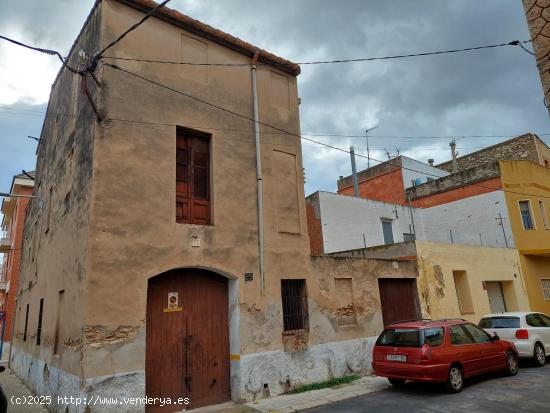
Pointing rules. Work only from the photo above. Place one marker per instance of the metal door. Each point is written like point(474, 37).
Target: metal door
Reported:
point(496, 297)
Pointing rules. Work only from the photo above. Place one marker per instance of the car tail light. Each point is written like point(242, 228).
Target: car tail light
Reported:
point(426, 352)
point(522, 334)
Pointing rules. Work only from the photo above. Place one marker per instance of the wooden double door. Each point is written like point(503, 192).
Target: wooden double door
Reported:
point(187, 353)
point(399, 299)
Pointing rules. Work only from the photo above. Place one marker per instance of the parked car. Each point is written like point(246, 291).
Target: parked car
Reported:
point(446, 351)
point(529, 331)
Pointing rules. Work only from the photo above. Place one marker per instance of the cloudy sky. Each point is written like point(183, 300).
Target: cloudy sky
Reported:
point(489, 92)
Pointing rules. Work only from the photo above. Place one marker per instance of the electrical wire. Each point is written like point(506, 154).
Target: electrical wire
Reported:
point(318, 62)
point(39, 113)
point(98, 55)
point(153, 82)
point(41, 50)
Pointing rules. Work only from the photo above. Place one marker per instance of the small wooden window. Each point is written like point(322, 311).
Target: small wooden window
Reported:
point(192, 177)
point(295, 311)
point(39, 327)
point(26, 324)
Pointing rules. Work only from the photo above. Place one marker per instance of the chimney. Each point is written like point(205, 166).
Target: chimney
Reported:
point(431, 162)
point(354, 171)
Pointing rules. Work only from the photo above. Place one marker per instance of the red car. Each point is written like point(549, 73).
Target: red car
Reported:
point(446, 351)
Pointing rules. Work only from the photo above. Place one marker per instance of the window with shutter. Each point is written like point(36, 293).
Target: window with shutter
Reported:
point(192, 177)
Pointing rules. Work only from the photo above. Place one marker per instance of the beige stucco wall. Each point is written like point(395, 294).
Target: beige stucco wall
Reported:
point(121, 230)
point(55, 259)
point(134, 235)
point(438, 297)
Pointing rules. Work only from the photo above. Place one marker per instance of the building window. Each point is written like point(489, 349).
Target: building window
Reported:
point(545, 283)
point(26, 324)
point(408, 237)
point(463, 294)
point(294, 298)
point(192, 177)
point(39, 327)
point(543, 214)
point(387, 230)
point(526, 216)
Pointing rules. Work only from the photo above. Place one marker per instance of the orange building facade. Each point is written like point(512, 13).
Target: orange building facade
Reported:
point(11, 245)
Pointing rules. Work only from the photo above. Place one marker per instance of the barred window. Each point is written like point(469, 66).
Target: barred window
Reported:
point(545, 288)
point(294, 298)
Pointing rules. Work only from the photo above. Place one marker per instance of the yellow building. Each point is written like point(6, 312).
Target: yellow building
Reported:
point(459, 280)
point(527, 191)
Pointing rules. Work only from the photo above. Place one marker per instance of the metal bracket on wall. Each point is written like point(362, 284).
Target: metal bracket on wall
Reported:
point(84, 87)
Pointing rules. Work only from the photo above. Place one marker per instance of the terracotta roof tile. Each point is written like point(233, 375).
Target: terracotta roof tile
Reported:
point(218, 36)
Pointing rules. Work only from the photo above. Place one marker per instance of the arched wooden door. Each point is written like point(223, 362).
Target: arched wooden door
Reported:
point(187, 353)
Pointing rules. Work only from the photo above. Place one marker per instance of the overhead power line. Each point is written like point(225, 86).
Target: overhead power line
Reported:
point(41, 50)
point(32, 112)
point(213, 105)
point(99, 54)
point(319, 62)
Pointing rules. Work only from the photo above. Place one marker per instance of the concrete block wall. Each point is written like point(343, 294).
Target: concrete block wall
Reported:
point(522, 148)
point(467, 177)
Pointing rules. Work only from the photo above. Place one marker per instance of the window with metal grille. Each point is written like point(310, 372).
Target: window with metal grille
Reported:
point(192, 177)
point(545, 282)
point(294, 298)
point(39, 327)
point(526, 216)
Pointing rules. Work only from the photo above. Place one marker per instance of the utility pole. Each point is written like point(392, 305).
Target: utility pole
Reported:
point(500, 219)
point(354, 171)
point(368, 149)
point(454, 153)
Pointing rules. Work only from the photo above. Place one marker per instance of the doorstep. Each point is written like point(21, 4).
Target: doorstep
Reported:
point(289, 403)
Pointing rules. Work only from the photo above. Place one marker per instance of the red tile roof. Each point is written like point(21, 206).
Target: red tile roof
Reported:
point(185, 22)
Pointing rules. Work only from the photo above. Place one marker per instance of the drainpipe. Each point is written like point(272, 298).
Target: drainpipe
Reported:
point(259, 178)
point(411, 212)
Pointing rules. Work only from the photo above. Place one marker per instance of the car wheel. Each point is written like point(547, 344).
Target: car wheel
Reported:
point(539, 356)
point(396, 382)
point(512, 365)
point(455, 381)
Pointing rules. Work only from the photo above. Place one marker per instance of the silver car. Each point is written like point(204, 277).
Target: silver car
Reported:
point(529, 331)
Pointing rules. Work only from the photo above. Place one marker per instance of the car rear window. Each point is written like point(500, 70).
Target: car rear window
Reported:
point(499, 322)
point(399, 337)
point(434, 336)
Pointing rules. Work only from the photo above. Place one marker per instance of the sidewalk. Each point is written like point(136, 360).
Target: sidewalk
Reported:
point(288, 403)
point(13, 387)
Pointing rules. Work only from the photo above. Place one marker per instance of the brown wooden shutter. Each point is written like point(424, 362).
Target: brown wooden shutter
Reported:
point(192, 179)
point(182, 180)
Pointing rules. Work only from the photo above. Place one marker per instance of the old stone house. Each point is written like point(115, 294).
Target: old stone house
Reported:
point(163, 256)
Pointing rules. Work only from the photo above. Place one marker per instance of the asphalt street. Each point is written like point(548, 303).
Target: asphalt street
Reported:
point(529, 391)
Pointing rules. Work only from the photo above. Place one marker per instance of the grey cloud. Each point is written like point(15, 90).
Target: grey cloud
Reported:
point(486, 92)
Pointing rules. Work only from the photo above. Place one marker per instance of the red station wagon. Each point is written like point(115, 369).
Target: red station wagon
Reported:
point(446, 351)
